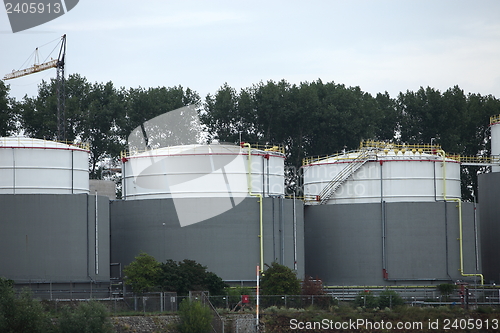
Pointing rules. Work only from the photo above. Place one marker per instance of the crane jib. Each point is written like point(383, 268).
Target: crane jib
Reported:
point(31, 70)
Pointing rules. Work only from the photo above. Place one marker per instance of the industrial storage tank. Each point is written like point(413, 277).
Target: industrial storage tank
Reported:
point(195, 171)
point(388, 214)
point(495, 140)
point(34, 166)
point(381, 171)
point(220, 199)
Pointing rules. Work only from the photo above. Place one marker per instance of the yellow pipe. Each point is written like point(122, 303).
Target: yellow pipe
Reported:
point(249, 181)
point(460, 222)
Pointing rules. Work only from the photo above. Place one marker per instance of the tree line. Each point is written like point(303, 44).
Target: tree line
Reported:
point(310, 118)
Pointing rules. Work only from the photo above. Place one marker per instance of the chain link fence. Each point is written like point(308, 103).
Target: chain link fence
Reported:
point(119, 302)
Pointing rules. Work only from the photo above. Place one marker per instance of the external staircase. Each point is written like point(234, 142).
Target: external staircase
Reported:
point(366, 154)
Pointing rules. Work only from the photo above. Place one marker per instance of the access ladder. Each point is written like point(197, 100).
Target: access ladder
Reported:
point(327, 192)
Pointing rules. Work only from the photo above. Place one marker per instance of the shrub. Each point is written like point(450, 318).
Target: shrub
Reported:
point(235, 294)
point(446, 288)
point(194, 317)
point(279, 280)
point(390, 299)
point(21, 314)
point(89, 317)
point(314, 287)
point(143, 273)
point(366, 299)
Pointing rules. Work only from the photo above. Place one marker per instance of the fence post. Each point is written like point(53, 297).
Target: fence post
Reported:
point(161, 302)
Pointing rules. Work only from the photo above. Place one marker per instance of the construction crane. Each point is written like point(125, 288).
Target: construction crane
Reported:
point(60, 81)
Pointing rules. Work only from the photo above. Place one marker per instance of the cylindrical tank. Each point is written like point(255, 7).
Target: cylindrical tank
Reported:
point(193, 171)
point(495, 140)
point(34, 166)
point(382, 174)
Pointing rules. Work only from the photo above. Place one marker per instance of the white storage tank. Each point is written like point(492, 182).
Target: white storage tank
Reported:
point(382, 172)
point(194, 171)
point(34, 166)
point(495, 140)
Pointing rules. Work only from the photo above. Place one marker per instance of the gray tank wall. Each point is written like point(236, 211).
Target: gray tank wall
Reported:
point(489, 216)
point(228, 244)
point(52, 238)
point(344, 243)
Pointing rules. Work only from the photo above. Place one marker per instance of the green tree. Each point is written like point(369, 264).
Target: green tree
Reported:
point(234, 294)
point(188, 275)
point(88, 317)
point(21, 314)
point(8, 111)
point(446, 289)
point(143, 104)
point(366, 299)
point(222, 117)
point(96, 109)
point(389, 299)
point(142, 275)
point(386, 118)
point(279, 280)
point(194, 317)
point(39, 114)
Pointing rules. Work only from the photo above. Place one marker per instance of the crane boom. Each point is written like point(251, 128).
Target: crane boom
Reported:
point(33, 69)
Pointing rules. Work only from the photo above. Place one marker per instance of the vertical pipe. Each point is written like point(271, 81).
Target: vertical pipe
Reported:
point(274, 230)
point(72, 171)
point(435, 190)
point(96, 237)
point(282, 230)
point(268, 186)
point(257, 294)
point(263, 178)
point(294, 235)
point(475, 234)
point(13, 171)
point(88, 238)
point(382, 217)
point(124, 179)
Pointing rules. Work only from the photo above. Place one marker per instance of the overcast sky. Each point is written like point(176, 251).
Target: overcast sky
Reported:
point(390, 45)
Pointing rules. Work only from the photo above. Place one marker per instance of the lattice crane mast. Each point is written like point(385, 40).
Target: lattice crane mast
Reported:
point(58, 64)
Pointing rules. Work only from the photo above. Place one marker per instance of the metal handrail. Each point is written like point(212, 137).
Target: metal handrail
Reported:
point(376, 145)
point(475, 159)
point(390, 145)
point(263, 147)
point(495, 119)
point(35, 143)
